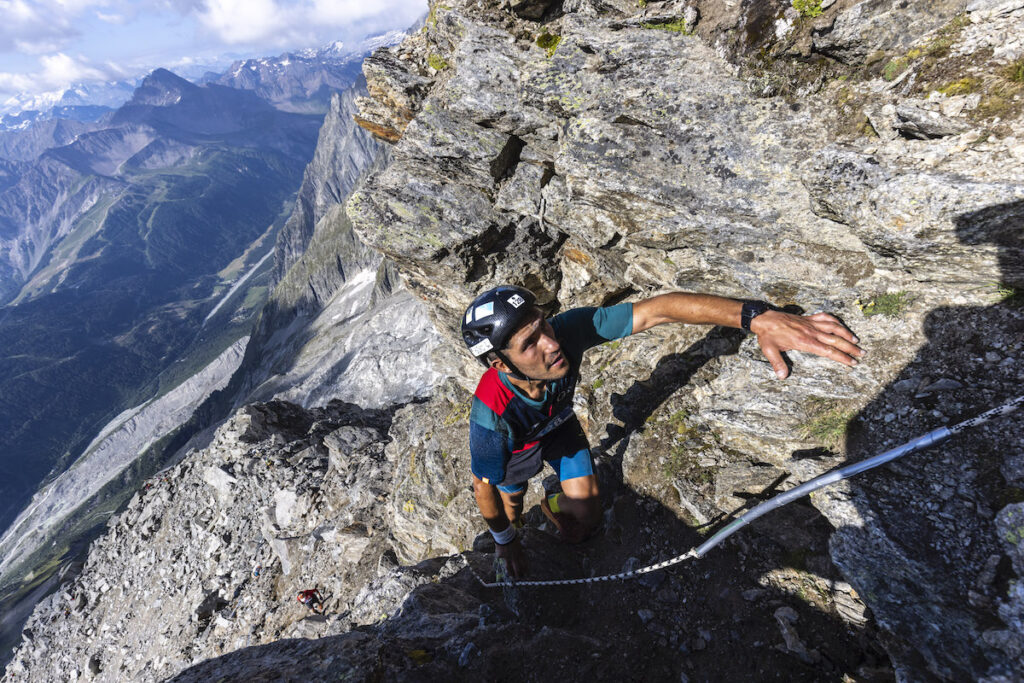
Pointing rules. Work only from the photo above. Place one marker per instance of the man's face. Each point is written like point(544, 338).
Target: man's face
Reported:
point(535, 351)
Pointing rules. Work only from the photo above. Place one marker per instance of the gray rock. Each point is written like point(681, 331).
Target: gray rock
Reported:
point(944, 384)
point(530, 9)
point(219, 479)
point(921, 124)
point(871, 26)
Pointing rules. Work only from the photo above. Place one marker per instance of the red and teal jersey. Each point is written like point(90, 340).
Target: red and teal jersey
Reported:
point(507, 429)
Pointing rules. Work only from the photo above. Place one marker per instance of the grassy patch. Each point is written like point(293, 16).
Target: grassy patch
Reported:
point(1015, 72)
point(808, 8)
point(437, 62)
point(891, 304)
point(458, 414)
point(1002, 99)
point(827, 424)
point(681, 464)
point(548, 42)
point(678, 420)
point(1002, 292)
point(677, 26)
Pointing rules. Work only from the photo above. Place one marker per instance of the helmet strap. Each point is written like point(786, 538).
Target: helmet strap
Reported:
point(514, 371)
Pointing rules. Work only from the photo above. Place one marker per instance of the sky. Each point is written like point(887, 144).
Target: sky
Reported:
point(46, 45)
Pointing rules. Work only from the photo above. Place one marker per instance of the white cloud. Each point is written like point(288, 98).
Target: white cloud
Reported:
point(297, 22)
point(341, 14)
point(57, 72)
point(32, 27)
point(60, 70)
point(242, 21)
point(112, 18)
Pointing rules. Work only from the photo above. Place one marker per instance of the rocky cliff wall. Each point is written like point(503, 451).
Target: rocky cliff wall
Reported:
point(343, 152)
point(596, 152)
point(337, 325)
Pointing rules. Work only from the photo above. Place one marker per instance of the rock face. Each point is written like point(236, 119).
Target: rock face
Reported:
point(597, 157)
point(338, 324)
point(595, 153)
point(343, 151)
point(289, 492)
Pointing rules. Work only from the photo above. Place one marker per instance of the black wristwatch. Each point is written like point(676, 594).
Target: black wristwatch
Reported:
point(751, 309)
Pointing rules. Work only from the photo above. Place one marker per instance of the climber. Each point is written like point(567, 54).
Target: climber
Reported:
point(311, 599)
point(522, 414)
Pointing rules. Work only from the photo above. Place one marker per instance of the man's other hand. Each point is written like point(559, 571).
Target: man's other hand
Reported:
point(514, 556)
point(821, 334)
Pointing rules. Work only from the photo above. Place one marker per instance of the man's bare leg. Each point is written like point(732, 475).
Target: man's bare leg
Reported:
point(513, 504)
point(578, 508)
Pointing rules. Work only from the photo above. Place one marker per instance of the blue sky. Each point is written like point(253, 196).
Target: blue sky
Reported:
point(45, 45)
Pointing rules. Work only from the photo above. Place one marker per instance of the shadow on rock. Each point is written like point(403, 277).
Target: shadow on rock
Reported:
point(919, 538)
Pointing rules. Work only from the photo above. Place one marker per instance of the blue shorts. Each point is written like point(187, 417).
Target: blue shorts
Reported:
point(569, 456)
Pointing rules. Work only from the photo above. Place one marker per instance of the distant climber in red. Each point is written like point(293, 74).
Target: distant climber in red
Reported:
point(311, 599)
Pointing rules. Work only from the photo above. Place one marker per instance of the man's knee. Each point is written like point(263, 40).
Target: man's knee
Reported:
point(582, 489)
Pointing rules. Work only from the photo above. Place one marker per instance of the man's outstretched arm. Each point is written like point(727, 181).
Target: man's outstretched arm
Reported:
point(821, 333)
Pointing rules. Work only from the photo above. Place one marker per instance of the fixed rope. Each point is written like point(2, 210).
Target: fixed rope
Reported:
point(830, 477)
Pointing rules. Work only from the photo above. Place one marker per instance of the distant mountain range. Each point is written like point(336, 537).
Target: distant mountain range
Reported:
point(299, 81)
point(123, 234)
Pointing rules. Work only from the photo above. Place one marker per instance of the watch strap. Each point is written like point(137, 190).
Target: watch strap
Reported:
point(751, 309)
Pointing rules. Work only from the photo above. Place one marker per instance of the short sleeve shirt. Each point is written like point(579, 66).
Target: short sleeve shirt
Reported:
point(505, 425)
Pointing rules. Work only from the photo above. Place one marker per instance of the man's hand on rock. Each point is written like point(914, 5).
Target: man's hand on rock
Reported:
point(821, 334)
point(514, 556)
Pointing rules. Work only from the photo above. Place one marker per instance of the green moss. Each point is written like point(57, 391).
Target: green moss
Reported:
point(548, 42)
point(891, 304)
point(598, 383)
point(681, 464)
point(437, 62)
point(895, 67)
point(808, 8)
point(939, 47)
point(678, 420)
point(956, 25)
point(677, 26)
point(962, 86)
point(432, 16)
